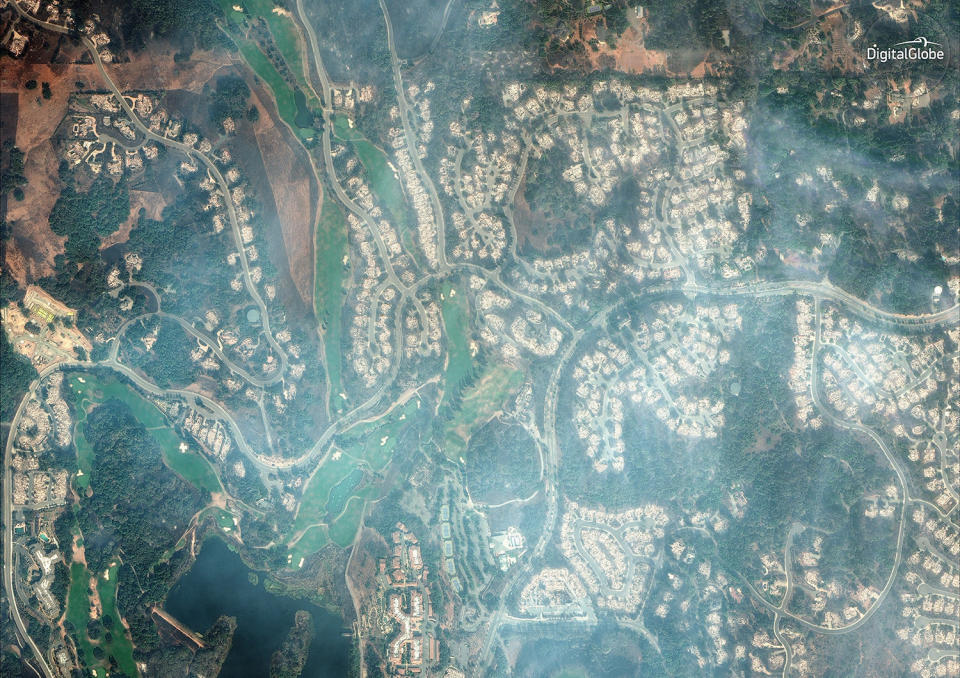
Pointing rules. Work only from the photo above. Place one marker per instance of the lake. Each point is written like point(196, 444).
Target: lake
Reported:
point(219, 584)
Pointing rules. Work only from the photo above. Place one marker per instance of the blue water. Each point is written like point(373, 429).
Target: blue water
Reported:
point(218, 584)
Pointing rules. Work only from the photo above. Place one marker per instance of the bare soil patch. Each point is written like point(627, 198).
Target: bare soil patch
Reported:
point(294, 193)
point(246, 153)
point(31, 253)
point(34, 246)
point(630, 55)
point(151, 202)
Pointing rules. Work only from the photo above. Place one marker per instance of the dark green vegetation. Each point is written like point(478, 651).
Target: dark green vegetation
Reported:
point(16, 373)
point(167, 363)
point(813, 478)
point(606, 650)
point(229, 99)
point(94, 390)
point(177, 252)
point(80, 274)
point(551, 208)
point(12, 178)
point(85, 217)
point(136, 512)
point(867, 234)
point(219, 584)
point(269, 43)
point(188, 23)
point(557, 27)
point(691, 24)
point(353, 41)
point(502, 463)
point(289, 660)
point(477, 405)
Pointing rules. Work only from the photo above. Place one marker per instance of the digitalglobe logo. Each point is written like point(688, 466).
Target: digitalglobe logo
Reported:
point(918, 49)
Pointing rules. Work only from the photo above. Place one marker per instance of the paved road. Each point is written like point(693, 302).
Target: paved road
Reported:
point(8, 525)
point(821, 291)
point(190, 152)
point(905, 499)
point(411, 139)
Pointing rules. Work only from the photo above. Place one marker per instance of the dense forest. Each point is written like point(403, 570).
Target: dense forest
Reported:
point(191, 23)
point(502, 463)
point(12, 178)
point(16, 373)
point(229, 99)
point(85, 217)
point(168, 362)
point(136, 512)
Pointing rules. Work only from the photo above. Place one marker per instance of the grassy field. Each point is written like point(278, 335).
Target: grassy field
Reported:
point(344, 528)
point(480, 402)
point(78, 609)
point(120, 646)
point(285, 34)
point(90, 390)
point(314, 502)
point(330, 246)
point(314, 539)
point(341, 492)
point(78, 614)
point(383, 181)
point(334, 485)
point(459, 362)
point(265, 70)
point(374, 442)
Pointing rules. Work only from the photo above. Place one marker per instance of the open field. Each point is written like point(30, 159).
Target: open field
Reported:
point(120, 646)
point(314, 501)
point(341, 492)
point(286, 37)
point(295, 194)
point(383, 181)
point(455, 324)
point(330, 245)
point(282, 93)
point(314, 539)
point(344, 528)
point(374, 442)
point(91, 391)
point(480, 402)
point(285, 31)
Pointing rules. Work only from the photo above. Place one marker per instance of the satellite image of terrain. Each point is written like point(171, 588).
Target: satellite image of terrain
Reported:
point(480, 338)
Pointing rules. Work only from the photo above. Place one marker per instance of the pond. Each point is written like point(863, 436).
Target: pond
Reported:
point(220, 584)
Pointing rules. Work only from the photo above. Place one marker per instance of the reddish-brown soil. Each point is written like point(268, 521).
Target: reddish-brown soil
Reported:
point(631, 56)
point(291, 182)
point(34, 246)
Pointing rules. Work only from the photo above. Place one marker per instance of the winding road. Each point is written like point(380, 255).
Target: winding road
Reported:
point(314, 457)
